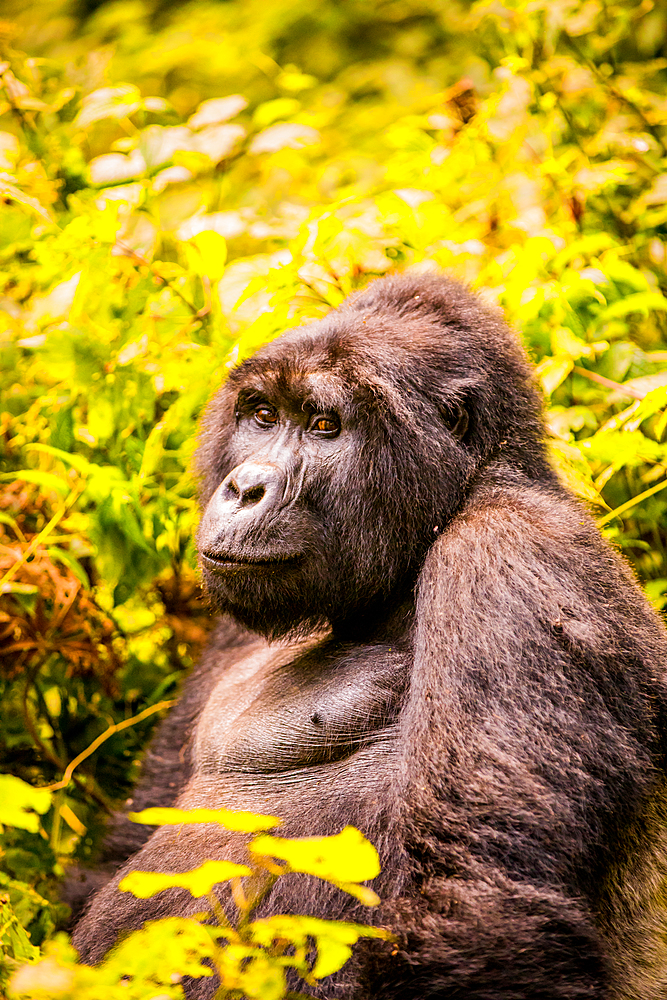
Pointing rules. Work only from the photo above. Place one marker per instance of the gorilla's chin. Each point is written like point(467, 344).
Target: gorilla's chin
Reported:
point(271, 598)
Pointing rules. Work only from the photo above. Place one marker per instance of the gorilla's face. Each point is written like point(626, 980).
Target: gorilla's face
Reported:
point(268, 541)
point(329, 492)
point(257, 520)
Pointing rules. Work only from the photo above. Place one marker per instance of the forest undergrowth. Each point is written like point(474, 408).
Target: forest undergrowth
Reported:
point(180, 184)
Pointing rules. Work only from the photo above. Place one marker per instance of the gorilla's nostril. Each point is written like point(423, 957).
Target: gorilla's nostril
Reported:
point(253, 495)
point(250, 483)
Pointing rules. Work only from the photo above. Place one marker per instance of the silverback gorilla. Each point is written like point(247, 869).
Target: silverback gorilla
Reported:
point(423, 635)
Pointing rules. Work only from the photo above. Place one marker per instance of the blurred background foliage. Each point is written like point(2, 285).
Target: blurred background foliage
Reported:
point(179, 183)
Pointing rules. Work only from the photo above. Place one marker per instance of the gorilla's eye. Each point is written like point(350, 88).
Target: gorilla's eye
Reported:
point(265, 415)
point(325, 426)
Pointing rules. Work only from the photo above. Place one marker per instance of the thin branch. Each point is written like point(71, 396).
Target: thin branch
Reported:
point(85, 782)
point(43, 534)
point(609, 383)
point(631, 503)
point(115, 728)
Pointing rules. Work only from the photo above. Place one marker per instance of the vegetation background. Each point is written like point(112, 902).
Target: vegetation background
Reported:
point(179, 183)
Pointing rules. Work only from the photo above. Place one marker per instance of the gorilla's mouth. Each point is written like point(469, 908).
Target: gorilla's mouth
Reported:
point(222, 561)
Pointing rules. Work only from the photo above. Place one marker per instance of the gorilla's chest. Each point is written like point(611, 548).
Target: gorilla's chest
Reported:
point(286, 709)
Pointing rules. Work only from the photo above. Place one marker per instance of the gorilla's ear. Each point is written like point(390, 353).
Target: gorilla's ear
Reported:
point(455, 416)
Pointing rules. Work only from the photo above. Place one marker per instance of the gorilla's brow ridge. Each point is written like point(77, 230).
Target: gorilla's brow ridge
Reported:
point(316, 390)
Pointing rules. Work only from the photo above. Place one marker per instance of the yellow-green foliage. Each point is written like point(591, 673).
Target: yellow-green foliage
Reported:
point(178, 185)
point(251, 957)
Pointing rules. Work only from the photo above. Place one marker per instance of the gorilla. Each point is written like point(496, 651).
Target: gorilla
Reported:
point(422, 634)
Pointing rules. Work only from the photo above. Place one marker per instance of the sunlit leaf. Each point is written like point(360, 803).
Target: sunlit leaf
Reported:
point(162, 952)
point(217, 109)
point(46, 480)
point(271, 111)
point(109, 102)
point(245, 822)
point(333, 938)
point(295, 82)
point(345, 857)
point(218, 141)
point(642, 302)
point(9, 150)
point(553, 371)
point(198, 881)
point(646, 384)
point(286, 135)
point(654, 401)
point(262, 978)
point(115, 168)
point(622, 448)
point(206, 253)
point(20, 803)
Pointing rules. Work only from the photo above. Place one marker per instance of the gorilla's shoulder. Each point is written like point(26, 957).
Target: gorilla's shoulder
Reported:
point(529, 554)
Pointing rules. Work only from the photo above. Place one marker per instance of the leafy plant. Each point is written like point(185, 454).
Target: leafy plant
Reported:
point(264, 162)
point(250, 956)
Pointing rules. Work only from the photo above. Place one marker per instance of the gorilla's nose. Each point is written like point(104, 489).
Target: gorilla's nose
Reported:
point(249, 483)
point(245, 501)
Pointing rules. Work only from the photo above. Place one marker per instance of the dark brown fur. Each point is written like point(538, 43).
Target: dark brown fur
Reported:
point(465, 671)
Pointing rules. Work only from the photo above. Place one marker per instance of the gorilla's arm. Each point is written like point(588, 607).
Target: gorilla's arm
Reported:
point(166, 767)
point(529, 725)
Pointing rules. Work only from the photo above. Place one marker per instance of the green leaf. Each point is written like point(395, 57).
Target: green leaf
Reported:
point(153, 450)
point(333, 938)
point(28, 905)
point(19, 802)
point(238, 821)
point(13, 193)
point(23, 589)
point(641, 302)
point(67, 559)
point(14, 940)
point(206, 254)
point(101, 418)
point(343, 858)
point(77, 462)
point(198, 881)
point(46, 480)
point(9, 520)
point(26, 594)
